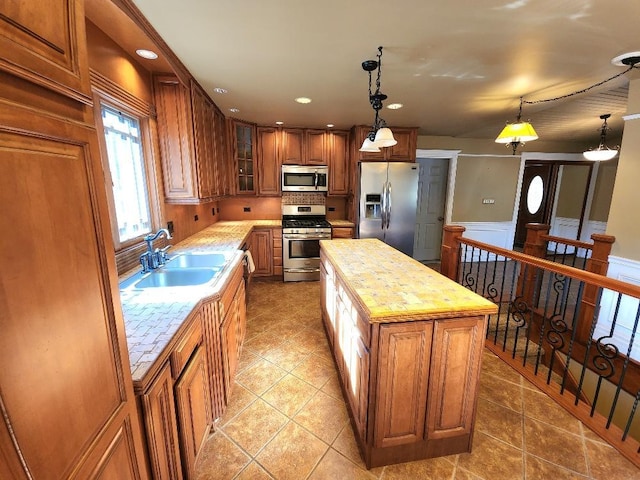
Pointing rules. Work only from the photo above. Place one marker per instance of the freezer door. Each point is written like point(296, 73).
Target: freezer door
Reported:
point(403, 195)
point(371, 200)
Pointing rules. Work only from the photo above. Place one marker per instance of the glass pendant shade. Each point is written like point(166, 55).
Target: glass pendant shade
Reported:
point(600, 154)
point(384, 138)
point(369, 146)
point(517, 132)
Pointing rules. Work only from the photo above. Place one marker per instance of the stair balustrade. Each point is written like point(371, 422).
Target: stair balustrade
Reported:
point(569, 331)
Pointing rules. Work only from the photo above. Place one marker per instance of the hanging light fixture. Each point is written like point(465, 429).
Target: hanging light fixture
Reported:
point(602, 152)
point(380, 135)
point(515, 134)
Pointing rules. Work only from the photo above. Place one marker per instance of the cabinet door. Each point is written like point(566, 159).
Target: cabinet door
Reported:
point(160, 424)
point(192, 400)
point(357, 369)
point(405, 149)
point(204, 148)
point(262, 252)
point(315, 147)
point(403, 374)
point(242, 142)
point(176, 139)
point(63, 350)
point(213, 354)
point(338, 163)
point(221, 154)
point(229, 331)
point(292, 145)
point(44, 42)
point(269, 167)
point(456, 360)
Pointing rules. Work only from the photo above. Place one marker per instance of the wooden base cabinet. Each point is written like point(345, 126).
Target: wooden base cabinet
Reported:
point(411, 386)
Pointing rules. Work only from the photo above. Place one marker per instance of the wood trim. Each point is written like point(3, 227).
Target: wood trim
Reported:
point(119, 97)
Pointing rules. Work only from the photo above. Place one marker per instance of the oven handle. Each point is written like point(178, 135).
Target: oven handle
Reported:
point(302, 270)
point(299, 236)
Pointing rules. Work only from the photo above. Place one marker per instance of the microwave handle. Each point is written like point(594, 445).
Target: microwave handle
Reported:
point(315, 179)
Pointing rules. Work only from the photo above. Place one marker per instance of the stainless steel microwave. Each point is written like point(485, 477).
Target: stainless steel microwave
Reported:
point(305, 178)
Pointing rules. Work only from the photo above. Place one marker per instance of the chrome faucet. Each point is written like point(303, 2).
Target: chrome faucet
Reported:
point(152, 259)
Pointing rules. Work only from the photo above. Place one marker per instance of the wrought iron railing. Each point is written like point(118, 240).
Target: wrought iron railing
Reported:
point(569, 331)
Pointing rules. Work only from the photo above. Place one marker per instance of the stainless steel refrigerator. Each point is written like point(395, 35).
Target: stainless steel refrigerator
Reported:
point(388, 199)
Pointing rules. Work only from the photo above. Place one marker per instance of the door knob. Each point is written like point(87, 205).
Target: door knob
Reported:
point(440, 219)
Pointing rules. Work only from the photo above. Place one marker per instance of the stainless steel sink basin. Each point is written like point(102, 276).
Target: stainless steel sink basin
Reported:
point(197, 260)
point(178, 277)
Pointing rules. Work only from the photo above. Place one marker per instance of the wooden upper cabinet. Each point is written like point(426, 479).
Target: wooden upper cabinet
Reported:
point(242, 146)
point(192, 144)
point(403, 151)
point(269, 164)
point(292, 146)
point(43, 42)
point(315, 142)
point(338, 146)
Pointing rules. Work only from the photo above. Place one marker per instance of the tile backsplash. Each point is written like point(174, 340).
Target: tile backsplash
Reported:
point(303, 198)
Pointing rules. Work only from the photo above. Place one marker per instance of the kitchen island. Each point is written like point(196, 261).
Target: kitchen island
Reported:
point(407, 343)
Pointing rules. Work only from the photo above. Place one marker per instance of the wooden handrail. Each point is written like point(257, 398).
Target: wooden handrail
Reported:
point(567, 241)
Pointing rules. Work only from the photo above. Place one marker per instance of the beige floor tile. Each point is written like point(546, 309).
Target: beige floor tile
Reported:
point(253, 471)
point(315, 372)
point(292, 454)
point(492, 459)
point(555, 445)
point(462, 474)
point(334, 466)
point(240, 399)
point(503, 393)
point(432, 469)
point(287, 355)
point(262, 343)
point(538, 468)
point(324, 416)
point(255, 426)
point(345, 443)
point(605, 463)
point(499, 422)
point(220, 459)
point(289, 395)
point(332, 387)
point(539, 406)
point(496, 367)
point(260, 376)
point(247, 358)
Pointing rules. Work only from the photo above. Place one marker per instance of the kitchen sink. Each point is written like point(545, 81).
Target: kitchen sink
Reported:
point(197, 260)
point(178, 277)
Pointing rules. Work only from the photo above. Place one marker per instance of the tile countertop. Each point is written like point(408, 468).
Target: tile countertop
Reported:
point(153, 316)
point(341, 223)
point(391, 286)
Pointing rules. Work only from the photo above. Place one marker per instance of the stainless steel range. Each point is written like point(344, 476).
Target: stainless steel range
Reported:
point(303, 226)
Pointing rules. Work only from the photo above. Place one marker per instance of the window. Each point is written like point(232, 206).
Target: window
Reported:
point(128, 177)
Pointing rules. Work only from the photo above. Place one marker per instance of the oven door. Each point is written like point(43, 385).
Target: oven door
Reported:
point(301, 256)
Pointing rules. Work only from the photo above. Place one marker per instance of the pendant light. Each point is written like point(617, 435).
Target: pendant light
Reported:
point(380, 135)
point(601, 152)
point(516, 134)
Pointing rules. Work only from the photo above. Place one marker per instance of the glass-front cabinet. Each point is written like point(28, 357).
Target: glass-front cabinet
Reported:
point(244, 157)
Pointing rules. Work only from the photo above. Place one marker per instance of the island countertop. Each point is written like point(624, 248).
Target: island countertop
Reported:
point(393, 287)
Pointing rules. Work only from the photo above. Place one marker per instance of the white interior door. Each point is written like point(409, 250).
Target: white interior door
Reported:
point(432, 192)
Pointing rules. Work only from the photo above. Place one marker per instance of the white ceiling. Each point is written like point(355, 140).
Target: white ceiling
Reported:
point(458, 66)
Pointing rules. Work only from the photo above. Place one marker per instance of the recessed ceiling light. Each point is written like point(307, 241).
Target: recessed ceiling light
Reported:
point(330, 125)
point(279, 123)
point(234, 110)
point(394, 106)
point(148, 54)
point(220, 90)
point(303, 100)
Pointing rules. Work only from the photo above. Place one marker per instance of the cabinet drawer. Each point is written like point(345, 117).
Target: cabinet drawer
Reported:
point(230, 291)
point(189, 342)
point(342, 232)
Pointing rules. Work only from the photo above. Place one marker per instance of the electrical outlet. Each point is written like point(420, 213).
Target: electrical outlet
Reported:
point(170, 226)
point(195, 218)
point(213, 211)
point(488, 201)
point(332, 209)
point(247, 209)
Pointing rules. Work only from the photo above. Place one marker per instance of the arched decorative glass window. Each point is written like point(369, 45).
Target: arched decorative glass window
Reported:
point(535, 194)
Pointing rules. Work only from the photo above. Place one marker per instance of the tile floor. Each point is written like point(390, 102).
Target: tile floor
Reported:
point(287, 418)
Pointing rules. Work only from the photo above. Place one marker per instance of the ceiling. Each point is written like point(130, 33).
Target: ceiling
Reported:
point(458, 67)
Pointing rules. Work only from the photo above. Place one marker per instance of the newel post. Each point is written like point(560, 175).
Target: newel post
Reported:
point(598, 263)
point(534, 245)
point(450, 251)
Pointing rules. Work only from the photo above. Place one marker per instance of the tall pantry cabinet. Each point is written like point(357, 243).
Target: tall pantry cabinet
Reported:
point(66, 394)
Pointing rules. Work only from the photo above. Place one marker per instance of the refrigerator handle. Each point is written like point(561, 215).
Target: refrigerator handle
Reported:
point(383, 207)
point(388, 202)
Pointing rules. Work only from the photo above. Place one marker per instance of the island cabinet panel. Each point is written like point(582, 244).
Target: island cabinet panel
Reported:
point(213, 354)
point(159, 411)
point(407, 343)
point(455, 369)
point(402, 383)
point(43, 42)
